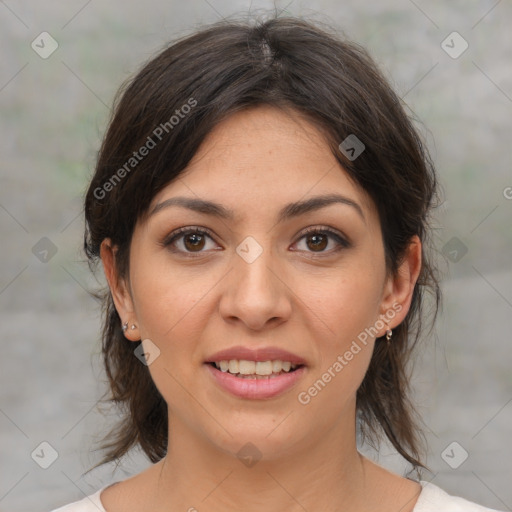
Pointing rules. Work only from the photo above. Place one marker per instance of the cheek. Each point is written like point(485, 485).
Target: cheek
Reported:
point(342, 313)
point(173, 305)
point(343, 307)
point(344, 304)
point(167, 305)
point(173, 316)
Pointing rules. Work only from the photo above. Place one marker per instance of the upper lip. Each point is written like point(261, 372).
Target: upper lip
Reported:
point(255, 354)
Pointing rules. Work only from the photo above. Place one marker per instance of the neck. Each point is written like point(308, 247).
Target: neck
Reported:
point(324, 473)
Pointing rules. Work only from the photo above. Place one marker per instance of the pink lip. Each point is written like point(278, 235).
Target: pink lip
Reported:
point(253, 354)
point(256, 388)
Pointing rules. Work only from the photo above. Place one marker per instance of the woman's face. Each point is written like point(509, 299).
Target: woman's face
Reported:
point(280, 272)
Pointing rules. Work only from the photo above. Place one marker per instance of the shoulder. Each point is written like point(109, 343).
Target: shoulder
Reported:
point(91, 503)
point(432, 499)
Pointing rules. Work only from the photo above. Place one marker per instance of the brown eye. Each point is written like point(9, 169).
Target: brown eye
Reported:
point(317, 242)
point(188, 241)
point(322, 241)
point(194, 242)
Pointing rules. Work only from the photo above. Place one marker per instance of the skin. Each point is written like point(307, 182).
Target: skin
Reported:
point(310, 300)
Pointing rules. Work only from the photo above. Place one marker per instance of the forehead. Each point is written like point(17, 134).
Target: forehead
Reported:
point(264, 156)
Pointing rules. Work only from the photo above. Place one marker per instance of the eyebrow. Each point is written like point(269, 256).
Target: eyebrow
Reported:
point(287, 212)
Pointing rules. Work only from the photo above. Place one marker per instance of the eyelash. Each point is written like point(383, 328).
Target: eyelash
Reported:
point(322, 230)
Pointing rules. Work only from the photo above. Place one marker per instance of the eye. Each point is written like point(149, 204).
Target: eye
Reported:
point(188, 240)
point(316, 240)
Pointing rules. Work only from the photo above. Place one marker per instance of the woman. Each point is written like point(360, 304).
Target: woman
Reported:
point(260, 206)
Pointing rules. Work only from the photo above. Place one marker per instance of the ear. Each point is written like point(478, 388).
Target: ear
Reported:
point(119, 289)
point(399, 288)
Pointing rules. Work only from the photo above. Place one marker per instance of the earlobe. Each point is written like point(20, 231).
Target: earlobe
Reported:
point(400, 287)
point(119, 290)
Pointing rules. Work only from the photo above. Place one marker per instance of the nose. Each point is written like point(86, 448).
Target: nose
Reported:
point(255, 293)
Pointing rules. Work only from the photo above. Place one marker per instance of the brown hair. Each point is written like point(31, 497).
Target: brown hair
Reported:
point(288, 63)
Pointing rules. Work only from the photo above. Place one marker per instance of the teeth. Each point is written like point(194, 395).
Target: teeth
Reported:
point(262, 368)
point(243, 367)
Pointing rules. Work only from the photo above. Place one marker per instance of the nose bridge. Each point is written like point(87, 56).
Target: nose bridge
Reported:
point(253, 264)
point(255, 294)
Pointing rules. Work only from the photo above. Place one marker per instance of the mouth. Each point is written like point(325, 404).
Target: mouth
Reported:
point(245, 369)
point(255, 380)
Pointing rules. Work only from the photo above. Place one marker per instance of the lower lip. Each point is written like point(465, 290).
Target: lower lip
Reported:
point(256, 388)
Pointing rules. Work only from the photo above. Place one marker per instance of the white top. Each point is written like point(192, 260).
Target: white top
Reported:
point(431, 499)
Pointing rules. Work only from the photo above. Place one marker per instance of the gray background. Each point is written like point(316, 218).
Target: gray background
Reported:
point(53, 113)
